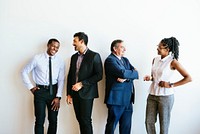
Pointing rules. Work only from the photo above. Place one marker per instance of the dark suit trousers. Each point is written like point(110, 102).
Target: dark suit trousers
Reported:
point(43, 99)
point(83, 111)
point(121, 114)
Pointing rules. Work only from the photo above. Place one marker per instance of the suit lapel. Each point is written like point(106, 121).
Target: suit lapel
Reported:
point(84, 59)
point(75, 58)
point(123, 61)
point(117, 59)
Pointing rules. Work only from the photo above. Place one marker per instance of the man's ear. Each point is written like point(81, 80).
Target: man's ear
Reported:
point(82, 41)
point(114, 48)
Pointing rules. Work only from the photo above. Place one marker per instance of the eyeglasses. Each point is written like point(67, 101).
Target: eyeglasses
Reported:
point(159, 47)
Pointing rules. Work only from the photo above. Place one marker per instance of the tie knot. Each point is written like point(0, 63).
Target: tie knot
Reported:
point(49, 58)
point(121, 61)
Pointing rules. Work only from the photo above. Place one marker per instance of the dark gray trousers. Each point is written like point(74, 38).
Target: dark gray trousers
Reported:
point(161, 106)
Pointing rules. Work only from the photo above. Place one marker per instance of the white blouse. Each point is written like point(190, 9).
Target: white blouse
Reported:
point(161, 71)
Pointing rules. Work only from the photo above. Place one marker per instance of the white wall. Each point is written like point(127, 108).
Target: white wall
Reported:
point(26, 26)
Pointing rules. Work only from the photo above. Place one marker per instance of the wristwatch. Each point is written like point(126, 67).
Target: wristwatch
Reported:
point(59, 98)
point(171, 85)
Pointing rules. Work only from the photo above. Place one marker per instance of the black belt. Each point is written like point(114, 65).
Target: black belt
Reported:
point(46, 86)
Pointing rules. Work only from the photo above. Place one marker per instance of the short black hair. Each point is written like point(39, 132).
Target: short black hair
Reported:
point(82, 36)
point(52, 40)
point(114, 44)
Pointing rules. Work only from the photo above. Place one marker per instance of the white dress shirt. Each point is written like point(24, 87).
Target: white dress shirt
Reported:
point(39, 66)
point(161, 71)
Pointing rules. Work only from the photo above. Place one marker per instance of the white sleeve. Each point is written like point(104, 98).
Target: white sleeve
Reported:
point(61, 79)
point(26, 72)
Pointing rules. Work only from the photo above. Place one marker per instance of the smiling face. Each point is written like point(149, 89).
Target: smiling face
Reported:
point(162, 50)
point(119, 49)
point(79, 45)
point(52, 48)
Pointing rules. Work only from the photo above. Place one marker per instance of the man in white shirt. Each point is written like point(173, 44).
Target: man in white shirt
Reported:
point(48, 87)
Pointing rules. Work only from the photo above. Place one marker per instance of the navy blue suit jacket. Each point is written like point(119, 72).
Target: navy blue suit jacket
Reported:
point(119, 93)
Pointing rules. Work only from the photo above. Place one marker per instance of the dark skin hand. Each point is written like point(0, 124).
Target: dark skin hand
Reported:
point(34, 89)
point(55, 103)
point(164, 84)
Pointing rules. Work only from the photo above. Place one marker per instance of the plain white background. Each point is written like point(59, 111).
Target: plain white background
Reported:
point(27, 25)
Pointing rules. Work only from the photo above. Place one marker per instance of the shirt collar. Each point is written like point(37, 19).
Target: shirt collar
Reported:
point(164, 59)
point(83, 52)
point(47, 56)
point(117, 56)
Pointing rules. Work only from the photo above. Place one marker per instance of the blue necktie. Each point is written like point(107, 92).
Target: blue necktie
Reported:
point(121, 62)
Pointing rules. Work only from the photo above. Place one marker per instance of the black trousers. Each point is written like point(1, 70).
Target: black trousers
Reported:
point(42, 100)
point(83, 111)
